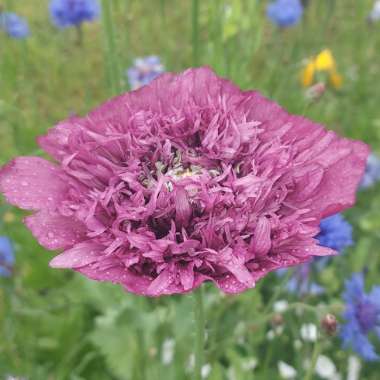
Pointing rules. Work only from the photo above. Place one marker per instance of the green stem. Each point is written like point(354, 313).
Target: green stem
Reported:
point(195, 31)
point(199, 333)
point(112, 63)
point(267, 359)
point(278, 291)
point(142, 364)
point(79, 31)
point(316, 351)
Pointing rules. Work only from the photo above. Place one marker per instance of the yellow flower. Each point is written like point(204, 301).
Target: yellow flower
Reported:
point(324, 62)
point(307, 75)
point(336, 79)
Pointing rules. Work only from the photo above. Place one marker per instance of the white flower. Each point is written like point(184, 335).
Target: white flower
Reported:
point(249, 364)
point(280, 306)
point(190, 363)
point(354, 367)
point(167, 351)
point(326, 369)
point(231, 375)
point(205, 370)
point(309, 332)
point(271, 334)
point(286, 371)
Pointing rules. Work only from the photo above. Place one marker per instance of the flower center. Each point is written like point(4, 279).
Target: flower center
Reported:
point(178, 172)
point(367, 315)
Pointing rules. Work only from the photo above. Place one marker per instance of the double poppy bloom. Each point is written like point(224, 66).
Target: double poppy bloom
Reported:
point(186, 180)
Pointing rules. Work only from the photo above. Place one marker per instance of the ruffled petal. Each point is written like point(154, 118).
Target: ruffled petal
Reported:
point(161, 283)
point(193, 87)
point(261, 242)
point(234, 263)
point(56, 142)
point(339, 163)
point(230, 285)
point(186, 276)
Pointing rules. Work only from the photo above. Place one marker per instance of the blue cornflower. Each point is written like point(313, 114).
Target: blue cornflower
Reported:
point(66, 13)
point(7, 257)
point(285, 13)
point(362, 316)
point(335, 233)
point(372, 172)
point(144, 71)
point(14, 25)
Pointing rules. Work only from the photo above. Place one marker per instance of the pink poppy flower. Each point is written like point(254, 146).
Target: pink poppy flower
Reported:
point(185, 180)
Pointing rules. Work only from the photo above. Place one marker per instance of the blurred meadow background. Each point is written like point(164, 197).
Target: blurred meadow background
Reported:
point(58, 325)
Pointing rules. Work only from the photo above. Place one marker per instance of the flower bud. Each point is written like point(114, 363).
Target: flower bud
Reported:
point(329, 324)
point(277, 320)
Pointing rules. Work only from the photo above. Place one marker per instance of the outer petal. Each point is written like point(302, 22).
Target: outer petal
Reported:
point(229, 284)
point(136, 284)
point(54, 231)
point(240, 271)
point(141, 285)
point(343, 160)
point(32, 183)
point(80, 255)
point(341, 180)
point(169, 91)
point(108, 269)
